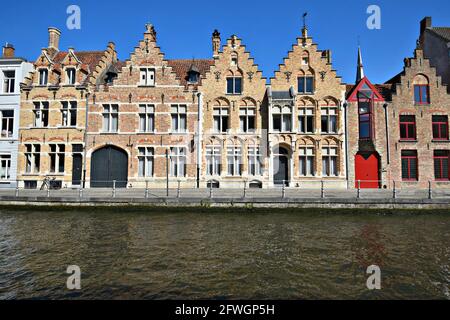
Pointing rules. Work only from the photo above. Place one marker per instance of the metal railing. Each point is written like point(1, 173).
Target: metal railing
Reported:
point(231, 188)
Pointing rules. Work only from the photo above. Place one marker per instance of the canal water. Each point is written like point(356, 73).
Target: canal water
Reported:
point(134, 254)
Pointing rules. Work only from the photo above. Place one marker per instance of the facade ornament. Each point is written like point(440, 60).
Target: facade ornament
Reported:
point(288, 75)
point(217, 74)
point(322, 75)
point(250, 75)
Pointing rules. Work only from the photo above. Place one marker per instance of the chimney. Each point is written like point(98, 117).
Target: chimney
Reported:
point(53, 38)
point(8, 51)
point(216, 43)
point(425, 24)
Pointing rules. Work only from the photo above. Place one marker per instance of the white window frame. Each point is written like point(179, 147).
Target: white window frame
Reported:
point(330, 164)
point(245, 114)
point(234, 161)
point(147, 77)
point(284, 112)
point(305, 114)
point(254, 161)
point(110, 117)
point(219, 114)
point(5, 167)
point(213, 160)
point(146, 162)
point(57, 155)
point(178, 113)
point(6, 124)
point(146, 118)
point(43, 76)
point(32, 158)
point(330, 113)
point(71, 76)
point(9, 83)
point(307, 161)
point(68, 108)
point(178, 162)
point(41, 111)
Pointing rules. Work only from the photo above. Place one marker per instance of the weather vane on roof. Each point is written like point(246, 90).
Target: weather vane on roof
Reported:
point(304, 19)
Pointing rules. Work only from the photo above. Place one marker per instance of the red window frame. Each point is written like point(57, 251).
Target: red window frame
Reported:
point(409, 158)
point(442, 127)
point(369, 120)
point(441, 158)
point(422, 99)
point(407, 124)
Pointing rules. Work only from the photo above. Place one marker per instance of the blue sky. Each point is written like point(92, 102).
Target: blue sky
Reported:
point(268, 28)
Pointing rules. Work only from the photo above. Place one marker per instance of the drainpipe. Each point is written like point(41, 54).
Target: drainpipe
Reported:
point(386, 121)
point(199, 137)
point(345, 105)
point(85, 140)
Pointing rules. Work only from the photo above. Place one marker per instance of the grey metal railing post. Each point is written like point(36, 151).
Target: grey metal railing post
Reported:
point(430, 191)
point(146, 189)
point(17, 189)
point(48, 192)
point(114, 189)
point(80, 192)
point(178, 189)
point(322, 189)
point(245, 189)
point(283, 190)
point(394, 191)
point(358, 192)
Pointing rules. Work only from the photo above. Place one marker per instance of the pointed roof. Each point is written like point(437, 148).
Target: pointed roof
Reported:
point(365, 85)
point(360, 67)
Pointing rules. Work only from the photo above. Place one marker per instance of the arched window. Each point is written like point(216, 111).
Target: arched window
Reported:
point(421, 90)
point(307, 159)
point(329, 117)
point(305, 58)
point(214, 158)
point(330, 164)
point(255, 159)
point(282, 118)
point(221, 112)
point(247, 115)
point(306, 117)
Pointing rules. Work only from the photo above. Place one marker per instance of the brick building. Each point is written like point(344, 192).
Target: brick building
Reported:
point(53, 112)
point(142, 125)
point(233, 118)
point(367, 130)
point(418, 134)
point(435, 42)
point(306, 119)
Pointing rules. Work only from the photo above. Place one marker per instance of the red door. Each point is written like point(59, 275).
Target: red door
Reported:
point(366, 171)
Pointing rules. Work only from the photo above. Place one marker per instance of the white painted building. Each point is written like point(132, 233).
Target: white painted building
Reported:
point(13, 70)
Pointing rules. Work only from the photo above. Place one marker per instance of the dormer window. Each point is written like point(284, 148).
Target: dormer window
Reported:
point(70, 76)
point(147, 77)
point(193, 77)
point(43, 77)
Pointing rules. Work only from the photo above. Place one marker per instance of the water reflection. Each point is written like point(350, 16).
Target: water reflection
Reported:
point(134, 255)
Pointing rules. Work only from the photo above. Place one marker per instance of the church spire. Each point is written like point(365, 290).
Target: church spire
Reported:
point(360, 68)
